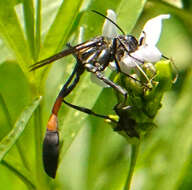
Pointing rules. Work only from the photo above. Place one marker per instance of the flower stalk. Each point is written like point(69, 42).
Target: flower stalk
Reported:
point(133, 159)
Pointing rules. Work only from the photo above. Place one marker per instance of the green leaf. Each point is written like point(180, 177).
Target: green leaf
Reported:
point(161, 7)
point(13, 36)
point(38, 28)
point(187, 4)
point(128, 13)
point(9, 121)
point(28, 10)
point(20, 171)
point(170, 142)
point(8, 141)
point(59, 30)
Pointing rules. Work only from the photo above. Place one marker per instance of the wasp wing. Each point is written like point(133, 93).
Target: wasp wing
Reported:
point(64, 53)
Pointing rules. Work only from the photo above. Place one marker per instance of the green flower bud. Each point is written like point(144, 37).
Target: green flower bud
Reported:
point(144, 99)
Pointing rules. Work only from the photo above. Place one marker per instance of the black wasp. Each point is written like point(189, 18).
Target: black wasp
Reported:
point(94, 56)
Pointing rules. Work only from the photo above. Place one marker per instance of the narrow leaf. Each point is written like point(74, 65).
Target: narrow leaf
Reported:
point(9, 120)
point(28, 10)
point(8, 141)
point(12, 34)
point(38, 27)
point(20, 171)
point(128, 13)
point(162, 7)
point(61, 27)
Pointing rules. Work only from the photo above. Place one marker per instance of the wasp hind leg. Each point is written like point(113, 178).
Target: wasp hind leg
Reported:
point(124, 123)
point(89, 111)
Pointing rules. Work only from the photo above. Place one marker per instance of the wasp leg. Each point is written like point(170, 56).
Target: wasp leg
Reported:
point(89, 111)
point(115, 53)
point(112, 84)
point(176, 70)
point(124, 124)
point(107, 81)
point(119, 70)
point(136, 59)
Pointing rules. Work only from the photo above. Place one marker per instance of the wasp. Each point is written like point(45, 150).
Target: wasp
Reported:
point(93, 56)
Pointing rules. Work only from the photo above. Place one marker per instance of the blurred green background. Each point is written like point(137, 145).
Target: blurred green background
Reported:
point(93, 156)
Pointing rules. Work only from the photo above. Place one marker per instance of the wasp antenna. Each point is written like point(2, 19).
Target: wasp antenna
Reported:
point(109, 20)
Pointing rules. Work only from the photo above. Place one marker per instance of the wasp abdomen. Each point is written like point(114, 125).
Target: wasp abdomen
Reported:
point(51, 152)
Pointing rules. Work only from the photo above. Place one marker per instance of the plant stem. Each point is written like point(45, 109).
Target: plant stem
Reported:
point(40, 176)
point(134, 154)
point(38, 28)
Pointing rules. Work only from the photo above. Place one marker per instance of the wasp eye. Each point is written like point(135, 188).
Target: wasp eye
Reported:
point(132, 39)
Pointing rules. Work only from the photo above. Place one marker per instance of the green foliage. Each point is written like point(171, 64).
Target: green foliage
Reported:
point(98, 157)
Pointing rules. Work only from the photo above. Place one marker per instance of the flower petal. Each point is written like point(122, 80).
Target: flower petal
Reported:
point(128, 62)
point(147, 53)
point(152, 29)
point(109, 29)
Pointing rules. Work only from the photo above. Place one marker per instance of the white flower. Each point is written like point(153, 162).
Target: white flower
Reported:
point(152, 29)
point(109, 29)
point(147, 51)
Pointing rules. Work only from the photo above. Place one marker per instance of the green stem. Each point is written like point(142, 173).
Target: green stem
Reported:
point(38, 29)
point(28, 10)
point(40, 175)
point(41, 180)
point(134, 155)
